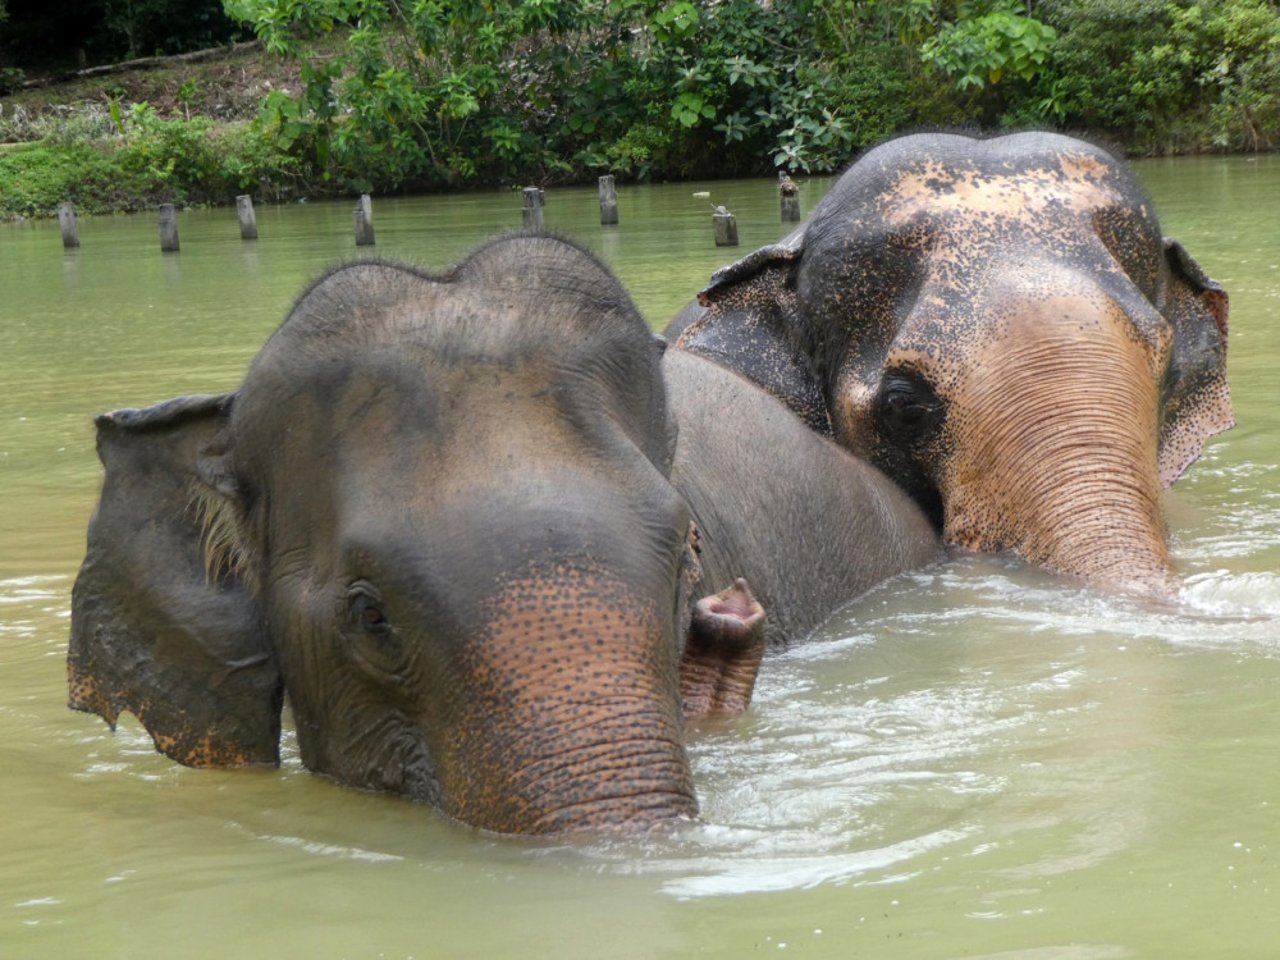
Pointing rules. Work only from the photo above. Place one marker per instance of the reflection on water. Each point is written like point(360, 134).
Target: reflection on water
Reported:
point(973, 760)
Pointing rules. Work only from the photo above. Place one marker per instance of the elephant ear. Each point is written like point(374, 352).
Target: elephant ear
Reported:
point(156, 629)
point(1197, 401)
point(747, 319)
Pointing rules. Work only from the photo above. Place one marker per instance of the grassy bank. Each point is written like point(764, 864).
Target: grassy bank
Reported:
point(556, 91)
point(177, 132)
point(122, 163)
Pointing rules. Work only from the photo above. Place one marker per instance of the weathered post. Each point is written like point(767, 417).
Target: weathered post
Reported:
point(364, 221)
point(67, 223)
point(608, 201)
point(725, 225)
point(532, 211)
point(248, 219)
point(168, 228)
point(789, 199)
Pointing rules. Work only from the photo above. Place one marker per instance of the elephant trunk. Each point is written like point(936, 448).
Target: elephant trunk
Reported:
point(562, 764)
point(627, 770)
point(571, 717)
point(1060, 459)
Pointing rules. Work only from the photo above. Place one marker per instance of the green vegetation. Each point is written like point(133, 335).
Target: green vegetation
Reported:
point(106, 161)
point(428, 94)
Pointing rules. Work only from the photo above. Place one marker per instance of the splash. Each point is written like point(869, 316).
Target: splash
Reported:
point(1228, 594)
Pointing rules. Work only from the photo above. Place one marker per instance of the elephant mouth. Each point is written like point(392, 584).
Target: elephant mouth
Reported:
point(736, 605)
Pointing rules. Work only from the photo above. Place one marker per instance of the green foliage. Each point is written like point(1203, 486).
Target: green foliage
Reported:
point(429, 94)
point(172, 156)
point(251, 162)
point(981, 49)
point(411, 94)
point(38, 177)
point(1169, 75)
point(109, 161)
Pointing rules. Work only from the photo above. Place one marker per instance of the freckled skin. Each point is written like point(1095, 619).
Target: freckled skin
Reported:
point(1000, 326)
point(468, 521)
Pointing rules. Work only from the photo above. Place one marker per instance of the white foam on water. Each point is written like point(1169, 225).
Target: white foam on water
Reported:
point(1223, 593)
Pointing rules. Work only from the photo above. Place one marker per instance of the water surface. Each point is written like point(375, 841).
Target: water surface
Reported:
point(976, 760)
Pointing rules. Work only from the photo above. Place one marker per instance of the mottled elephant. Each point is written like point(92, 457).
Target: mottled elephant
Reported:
point(1000, 326)
point(489, 537)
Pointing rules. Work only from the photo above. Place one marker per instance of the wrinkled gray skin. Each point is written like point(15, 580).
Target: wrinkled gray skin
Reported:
point(1000, 326)
point(492, 544)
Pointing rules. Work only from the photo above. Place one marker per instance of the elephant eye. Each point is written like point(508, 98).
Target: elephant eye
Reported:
point(366, 611)
point(372, 640)
point(908, 410)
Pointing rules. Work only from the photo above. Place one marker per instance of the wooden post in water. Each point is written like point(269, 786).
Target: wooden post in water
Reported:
point(67, 223)
point(725, 225)
point(608, 201)
point(789, 199)
point(168, 228)
point(532, 210)
point(248, 219)
point(364, 221)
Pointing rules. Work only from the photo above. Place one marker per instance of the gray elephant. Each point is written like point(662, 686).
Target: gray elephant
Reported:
point(490, 541)
point(1000, 326)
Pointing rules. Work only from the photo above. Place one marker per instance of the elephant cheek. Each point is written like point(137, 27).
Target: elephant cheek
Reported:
point(570, 716)
point(853, 417)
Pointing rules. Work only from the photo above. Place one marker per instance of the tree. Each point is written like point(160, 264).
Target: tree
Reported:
point(987, 44)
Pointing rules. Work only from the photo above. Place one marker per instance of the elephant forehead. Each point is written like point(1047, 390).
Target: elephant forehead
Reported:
point(1039, 300)
point(1073, 184)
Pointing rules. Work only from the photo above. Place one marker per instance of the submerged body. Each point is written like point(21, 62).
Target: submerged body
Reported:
point(490, 542)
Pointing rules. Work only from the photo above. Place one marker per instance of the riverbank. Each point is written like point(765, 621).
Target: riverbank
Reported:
point(708, 91)
point(165, 130)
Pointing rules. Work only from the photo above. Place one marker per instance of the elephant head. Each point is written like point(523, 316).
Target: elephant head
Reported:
point(1000, 326)
point(438, 514)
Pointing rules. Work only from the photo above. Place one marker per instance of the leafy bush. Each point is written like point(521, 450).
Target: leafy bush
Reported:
point(542, 89)
point(252, 163)
point(983, 49)
point(143, 160)
point(176, 157)
point(38, 177)
point(1168, 75)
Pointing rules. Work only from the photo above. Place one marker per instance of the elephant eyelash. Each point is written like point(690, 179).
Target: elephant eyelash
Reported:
point(222, 535)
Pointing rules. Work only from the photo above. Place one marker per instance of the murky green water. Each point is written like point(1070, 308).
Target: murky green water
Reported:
point(979, 760)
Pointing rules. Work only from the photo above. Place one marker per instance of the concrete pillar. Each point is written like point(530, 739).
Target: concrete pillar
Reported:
point(168, 228)
point(248, 220)
point(725, 225)
point(534, 200)
point(364, 221)
point(789, 199)
point(67, 223)
point(608, 201)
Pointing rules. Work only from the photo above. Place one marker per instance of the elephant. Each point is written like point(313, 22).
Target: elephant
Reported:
point(1000, 326)
point(490, 538)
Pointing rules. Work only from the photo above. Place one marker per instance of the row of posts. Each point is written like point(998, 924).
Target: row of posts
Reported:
point(724, 224)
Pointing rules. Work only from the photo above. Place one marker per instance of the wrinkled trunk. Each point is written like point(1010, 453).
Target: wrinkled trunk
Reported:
point(568, 765)
point(628, 771)
point(567, 716)
point(1058, 455)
